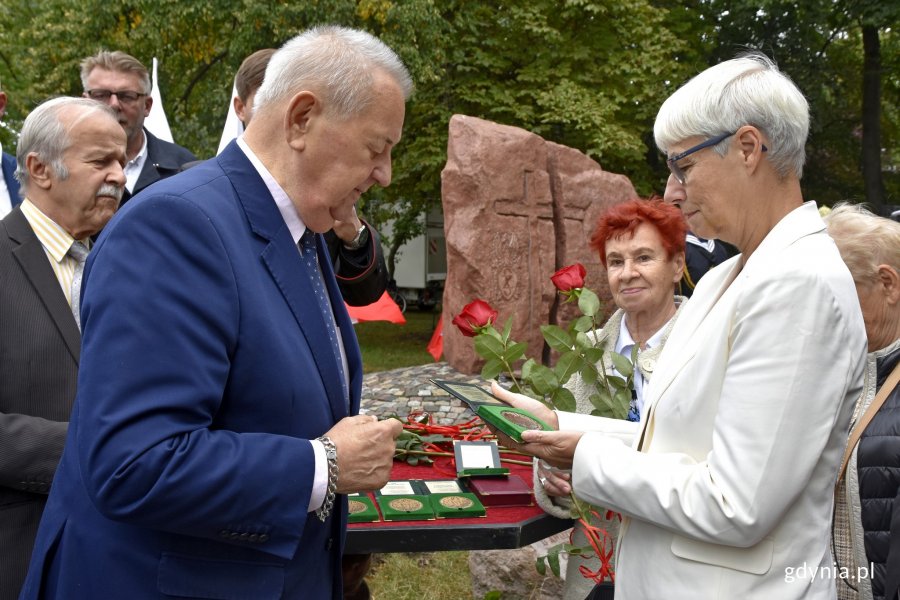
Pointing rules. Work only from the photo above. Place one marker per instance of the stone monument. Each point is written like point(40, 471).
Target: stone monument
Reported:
point(516, 209)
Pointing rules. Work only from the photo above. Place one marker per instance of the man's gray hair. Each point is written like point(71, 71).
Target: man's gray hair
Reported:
point(336, 62)
point(747, 90)
point(45, 134)
point(117, 62)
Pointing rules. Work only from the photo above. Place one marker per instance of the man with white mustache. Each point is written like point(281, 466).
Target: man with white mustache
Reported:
point(69, 164)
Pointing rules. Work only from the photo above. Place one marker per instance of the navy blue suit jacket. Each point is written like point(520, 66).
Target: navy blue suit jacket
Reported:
point(187, 469)
point(8, 164)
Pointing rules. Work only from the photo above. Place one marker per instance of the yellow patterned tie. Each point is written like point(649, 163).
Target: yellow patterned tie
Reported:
point(79, 252)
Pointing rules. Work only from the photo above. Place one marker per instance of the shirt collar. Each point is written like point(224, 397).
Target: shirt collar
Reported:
point(287, 209)
point(55, 240)
point(142, 155)
point(138, 160)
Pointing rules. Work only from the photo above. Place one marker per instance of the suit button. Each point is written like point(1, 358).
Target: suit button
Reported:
point(234, 535)
point(254, 537)
point(264, 537)
point(329, 544)
point(223, 533)
point(244, 536)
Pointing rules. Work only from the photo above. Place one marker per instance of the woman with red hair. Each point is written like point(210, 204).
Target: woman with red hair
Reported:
point(641, 244)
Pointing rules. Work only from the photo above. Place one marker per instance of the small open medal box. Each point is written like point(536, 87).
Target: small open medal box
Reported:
point(361, 509)
point(477, 458)
point(511, 421)
point(479, 462)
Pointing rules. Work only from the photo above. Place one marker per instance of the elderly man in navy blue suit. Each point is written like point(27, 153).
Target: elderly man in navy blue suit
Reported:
point(212, 439)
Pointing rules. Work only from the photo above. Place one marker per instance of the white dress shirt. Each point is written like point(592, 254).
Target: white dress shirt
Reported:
point(624, 346)
point(134, 167)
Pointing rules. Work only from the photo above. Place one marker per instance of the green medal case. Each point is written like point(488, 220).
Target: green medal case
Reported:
point(459, 505)
point(406, 508)
point(361, 509)
point(511, 421)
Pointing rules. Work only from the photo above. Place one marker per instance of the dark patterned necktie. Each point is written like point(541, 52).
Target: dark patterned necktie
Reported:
point(79, 252)
point(307, 247)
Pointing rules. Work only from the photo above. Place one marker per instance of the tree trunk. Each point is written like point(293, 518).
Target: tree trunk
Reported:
point(871, 119)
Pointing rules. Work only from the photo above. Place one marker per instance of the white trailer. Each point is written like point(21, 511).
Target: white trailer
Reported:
point(420, 266)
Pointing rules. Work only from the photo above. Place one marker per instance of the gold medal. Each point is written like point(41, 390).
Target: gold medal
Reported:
point(355, 506)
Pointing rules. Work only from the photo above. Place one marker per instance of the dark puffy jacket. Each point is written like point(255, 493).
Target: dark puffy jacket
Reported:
point(878, 464)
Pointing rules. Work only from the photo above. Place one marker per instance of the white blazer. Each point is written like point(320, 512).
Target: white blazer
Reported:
point(728, 479)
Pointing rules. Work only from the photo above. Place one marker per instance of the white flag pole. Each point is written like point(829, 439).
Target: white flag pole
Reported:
point(233, 126)
point(156, 122)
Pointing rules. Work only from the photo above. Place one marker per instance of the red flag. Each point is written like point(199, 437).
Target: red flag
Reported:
point(436, 345)
point(383, 309)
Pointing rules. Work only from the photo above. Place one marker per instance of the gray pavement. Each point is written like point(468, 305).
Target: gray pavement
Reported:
point(400, 391)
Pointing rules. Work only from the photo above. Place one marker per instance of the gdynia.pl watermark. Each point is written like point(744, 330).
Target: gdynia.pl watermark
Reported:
point(806, 573)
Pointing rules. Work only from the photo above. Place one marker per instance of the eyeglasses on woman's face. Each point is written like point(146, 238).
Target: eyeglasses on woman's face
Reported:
point(678, 172)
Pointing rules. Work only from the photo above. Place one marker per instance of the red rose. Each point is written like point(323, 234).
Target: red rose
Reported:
point(477, 313)
point(569, 278)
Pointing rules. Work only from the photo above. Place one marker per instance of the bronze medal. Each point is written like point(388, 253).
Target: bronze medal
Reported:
point(457, 502)
point(405, 504)
point(520, 420)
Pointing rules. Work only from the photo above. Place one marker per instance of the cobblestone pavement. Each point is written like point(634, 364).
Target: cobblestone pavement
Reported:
point(400, 391)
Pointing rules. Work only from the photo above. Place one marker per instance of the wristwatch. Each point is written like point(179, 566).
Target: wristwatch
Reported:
point(362, 236)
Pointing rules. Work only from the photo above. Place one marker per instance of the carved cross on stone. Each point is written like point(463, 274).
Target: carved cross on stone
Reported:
point(515, 209)
point(515, 249)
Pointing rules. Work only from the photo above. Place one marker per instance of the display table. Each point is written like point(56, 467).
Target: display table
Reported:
point(501, 528)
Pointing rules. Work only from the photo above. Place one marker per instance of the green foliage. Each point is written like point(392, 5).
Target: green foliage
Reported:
point(580, 350)
point(818, 43)
point(589, 74)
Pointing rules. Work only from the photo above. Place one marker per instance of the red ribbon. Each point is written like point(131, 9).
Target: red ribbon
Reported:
point(601, 543)
point(422, 424)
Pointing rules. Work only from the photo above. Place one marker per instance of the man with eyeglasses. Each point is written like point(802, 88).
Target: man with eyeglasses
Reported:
point(121, 81)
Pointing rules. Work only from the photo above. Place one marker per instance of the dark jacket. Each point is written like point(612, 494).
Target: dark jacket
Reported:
point(700, 256)
point(164, 159)
point(39, 353)
point(8, 164)
point(361, 274)
point(878, 464)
